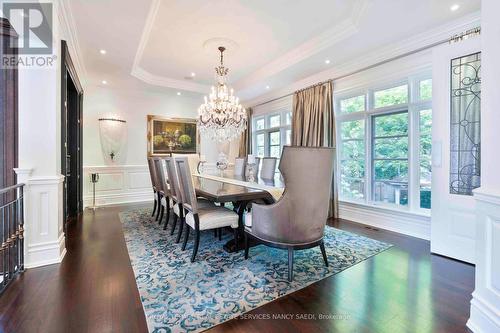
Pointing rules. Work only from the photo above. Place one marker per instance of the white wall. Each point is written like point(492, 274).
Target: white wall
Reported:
point(485, 304)
point(126, 179)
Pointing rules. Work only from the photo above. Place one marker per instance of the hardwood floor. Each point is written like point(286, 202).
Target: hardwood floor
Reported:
point(404, 289)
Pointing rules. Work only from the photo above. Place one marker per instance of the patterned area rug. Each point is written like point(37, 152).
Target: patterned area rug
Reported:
point(180, 296)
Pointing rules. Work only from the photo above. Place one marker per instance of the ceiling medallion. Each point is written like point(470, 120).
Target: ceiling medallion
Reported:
point(222, 117)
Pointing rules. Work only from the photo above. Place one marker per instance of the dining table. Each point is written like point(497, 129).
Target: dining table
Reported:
point(228, 188)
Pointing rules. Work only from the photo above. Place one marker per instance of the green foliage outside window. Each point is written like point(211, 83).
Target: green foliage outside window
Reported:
point(391, 96)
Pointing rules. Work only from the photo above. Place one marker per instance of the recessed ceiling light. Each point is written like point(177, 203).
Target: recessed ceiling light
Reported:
point(267, 87)
point(327, 61)
point(103, 51)
point(104, 82)
point(193, 74)
point(454, 7)
point(178, 93)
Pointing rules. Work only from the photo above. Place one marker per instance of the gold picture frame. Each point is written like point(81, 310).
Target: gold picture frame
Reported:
point(168, 136)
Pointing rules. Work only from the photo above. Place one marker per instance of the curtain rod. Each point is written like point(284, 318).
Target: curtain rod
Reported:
point(452, 39)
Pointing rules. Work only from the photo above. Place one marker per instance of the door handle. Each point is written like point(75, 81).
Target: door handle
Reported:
point(68, 165)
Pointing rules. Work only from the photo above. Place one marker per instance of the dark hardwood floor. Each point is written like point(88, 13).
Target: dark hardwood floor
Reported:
point(404, 289)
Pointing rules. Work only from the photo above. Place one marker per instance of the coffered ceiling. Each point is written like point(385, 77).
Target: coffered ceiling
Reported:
point(172, 45)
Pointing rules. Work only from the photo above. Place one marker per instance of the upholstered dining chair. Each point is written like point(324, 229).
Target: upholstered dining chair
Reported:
point(153, 185)
point(268, 167)
point(177, 197)
point(200, 218)
point(256, 168)
point(239, 166)
point(164, 189)
point(297, 220)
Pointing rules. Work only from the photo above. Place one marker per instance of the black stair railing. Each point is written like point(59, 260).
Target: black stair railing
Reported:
point(11, 234)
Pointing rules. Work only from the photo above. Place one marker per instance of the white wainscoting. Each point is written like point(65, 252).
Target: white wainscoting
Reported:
point(402, 222)
point(118, 184)
point(44, 236)
point(485, 303)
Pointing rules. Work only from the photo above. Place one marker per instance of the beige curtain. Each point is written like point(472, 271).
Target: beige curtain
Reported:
point(313, 125)
point(246, 137)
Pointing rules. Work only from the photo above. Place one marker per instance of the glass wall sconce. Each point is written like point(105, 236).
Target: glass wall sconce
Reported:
point(113, 132)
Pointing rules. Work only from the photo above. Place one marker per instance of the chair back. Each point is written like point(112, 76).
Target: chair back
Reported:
point(268, 167)
point(256, 170)
point(186, 186)
point(299, 217)
point(239, 166)
point(193, 160)
point(152, 173)
point(173, 179)
point(160, 172)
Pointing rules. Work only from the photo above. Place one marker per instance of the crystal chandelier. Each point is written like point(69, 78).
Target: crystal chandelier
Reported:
point(221, 117)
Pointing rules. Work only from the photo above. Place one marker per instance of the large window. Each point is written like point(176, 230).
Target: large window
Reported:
point(270, 133)
point(384, 137)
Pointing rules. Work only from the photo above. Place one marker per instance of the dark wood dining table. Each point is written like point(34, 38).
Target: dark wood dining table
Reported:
point(239, 195)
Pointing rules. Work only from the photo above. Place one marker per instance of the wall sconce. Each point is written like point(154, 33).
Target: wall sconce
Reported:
point(112, 131)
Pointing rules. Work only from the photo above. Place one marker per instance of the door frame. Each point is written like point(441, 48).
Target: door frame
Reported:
point(67, 67)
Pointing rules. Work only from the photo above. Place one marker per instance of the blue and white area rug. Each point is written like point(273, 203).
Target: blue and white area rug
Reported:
point(180, 296)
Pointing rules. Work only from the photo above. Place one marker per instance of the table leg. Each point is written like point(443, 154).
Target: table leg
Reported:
point(232, 246)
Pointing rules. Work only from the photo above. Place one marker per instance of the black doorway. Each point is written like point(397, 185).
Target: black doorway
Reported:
point(71, 137)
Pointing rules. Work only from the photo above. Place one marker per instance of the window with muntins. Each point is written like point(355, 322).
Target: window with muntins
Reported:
point(384, 142)
point(270, 132)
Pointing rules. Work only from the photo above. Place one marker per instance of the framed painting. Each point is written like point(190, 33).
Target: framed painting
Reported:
point(172, 135)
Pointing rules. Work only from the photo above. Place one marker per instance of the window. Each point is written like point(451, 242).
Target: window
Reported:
point(270, 133)
point(260, 145)
point(392, 96)
point(425, 144)
point(390, 158)
point(274, 144)
point(384, 141)
point(352, 159)
point(425, 89)
point(352, 104)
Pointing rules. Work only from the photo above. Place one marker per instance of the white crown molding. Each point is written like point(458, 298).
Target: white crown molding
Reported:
point(67, 21)
point(328, 38)
point(156, 80)
point(161, 81)
point(408, 45)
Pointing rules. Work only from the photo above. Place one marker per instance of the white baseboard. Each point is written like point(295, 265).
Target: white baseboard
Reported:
point(46, 253)
point(484, 318)
point(402, 222)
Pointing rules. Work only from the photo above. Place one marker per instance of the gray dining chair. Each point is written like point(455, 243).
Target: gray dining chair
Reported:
point(164, 189)
point(297, 220)
point(257, 164)
point(239, 166)
point(152, 176)
point(268, 168)
point(177, 197)
point(200, 218)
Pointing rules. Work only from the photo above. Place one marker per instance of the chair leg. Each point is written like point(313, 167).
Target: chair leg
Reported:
point(158, 200)
point(290, 264)
point(196, 244)
point(168, 214)
point(215, 233)
point(186, 236)
point(162, 211)
point(323, 252)
point(175, 223)
point(246, 246)
point(220, 233)
point(154, 206)
point(235, 232)
point(181, 226)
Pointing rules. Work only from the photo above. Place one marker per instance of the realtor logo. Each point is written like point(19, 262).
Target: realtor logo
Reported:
point(33, 23)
